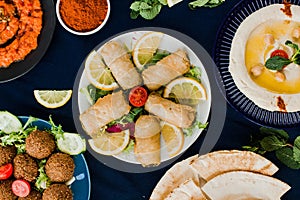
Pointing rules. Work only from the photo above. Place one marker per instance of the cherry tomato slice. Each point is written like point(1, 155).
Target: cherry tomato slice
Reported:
point(6, 171)
point(138, 96)
point(21, 188)
point(280, 53)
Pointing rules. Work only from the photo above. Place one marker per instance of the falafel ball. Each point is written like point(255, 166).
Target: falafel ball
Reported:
point(40, 144)
point(33, 195)
point(25, 167)
point(60, 167)
point(7, 154)
point(57, 192)
point(5, 190)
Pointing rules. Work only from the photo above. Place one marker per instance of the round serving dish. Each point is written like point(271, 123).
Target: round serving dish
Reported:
point(69, 29)
point(221, 55)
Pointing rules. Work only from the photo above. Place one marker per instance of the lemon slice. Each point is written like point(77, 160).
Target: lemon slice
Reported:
point(173, 137)
point(173, 2)
point(71, 143)
point(98, 74)
point(110, 143)
point(145, 48)
point(187, 91)
point(52, 98)
point(9, 123)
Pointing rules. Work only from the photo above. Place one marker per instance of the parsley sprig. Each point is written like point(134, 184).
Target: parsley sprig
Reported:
point(278, 62)
point(278, 141)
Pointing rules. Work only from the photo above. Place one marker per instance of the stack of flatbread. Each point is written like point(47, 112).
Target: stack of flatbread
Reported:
point(221, 175)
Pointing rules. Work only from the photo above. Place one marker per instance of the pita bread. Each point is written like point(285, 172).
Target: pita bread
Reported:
point(244, 185)
point(212, 164)
point(187, 190)
point(174, 177)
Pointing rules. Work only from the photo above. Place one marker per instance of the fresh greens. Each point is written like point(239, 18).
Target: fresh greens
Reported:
point(275, 140)
point(129, 147)
point(92, 93)
point(148, 9)
point(42, 181)
point(159, 54)
point(194, 73)
point(56, 131)
point(18, 138)
point(278, 62)
point(205, 3)
point(196, 125)
point(130, 117)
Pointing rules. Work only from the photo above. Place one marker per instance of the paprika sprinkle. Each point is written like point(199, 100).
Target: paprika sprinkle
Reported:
point(83, 15)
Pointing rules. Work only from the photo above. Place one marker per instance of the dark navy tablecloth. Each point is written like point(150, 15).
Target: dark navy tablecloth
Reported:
point(58, 69)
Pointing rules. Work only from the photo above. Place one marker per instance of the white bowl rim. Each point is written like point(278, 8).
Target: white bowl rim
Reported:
point(82, 33)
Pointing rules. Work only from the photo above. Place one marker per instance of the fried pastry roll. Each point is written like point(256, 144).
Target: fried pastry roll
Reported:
point(147, 140)
point(166, 69)
point(118, 61)
point(105, 110)
point(177, 114)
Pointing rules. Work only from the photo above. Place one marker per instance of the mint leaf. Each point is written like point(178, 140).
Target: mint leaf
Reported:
point(285, 155)
point(276, 132)
point(135, 6)
point(134, 14)
point(214, 3)
point(292, 45)
point(151, 13)
point(296, 149)
point(163, 2)
point(198, 3)
point(277, 63)
point(272, 143)
point(205, 3)
point(144, 5)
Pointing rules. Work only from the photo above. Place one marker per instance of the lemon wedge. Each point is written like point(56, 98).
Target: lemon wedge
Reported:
point(52, 98)
point(98, 74)
point(173, 2)
point(187, 91)
point(173, 137)
point(110, 143)
point(145, 48)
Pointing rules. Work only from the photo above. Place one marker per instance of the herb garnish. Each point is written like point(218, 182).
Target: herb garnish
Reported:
point(275, 140)
point(148, 9)
point(278, 62)
point(205, 3)
point(195, 125)
point(18, 138)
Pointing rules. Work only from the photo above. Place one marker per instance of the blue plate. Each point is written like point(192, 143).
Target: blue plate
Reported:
point(221, 57)
point(82, 186)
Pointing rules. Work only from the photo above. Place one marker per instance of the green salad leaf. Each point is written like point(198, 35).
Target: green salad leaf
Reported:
point(194, 73)
point(42, 181)
point(195, 125)
point(130, 117)
point(18, 138)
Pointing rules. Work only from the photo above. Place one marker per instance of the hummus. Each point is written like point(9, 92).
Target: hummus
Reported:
point(250, 49)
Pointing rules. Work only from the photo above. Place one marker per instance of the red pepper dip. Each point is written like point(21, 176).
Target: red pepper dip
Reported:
point(83, 15)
